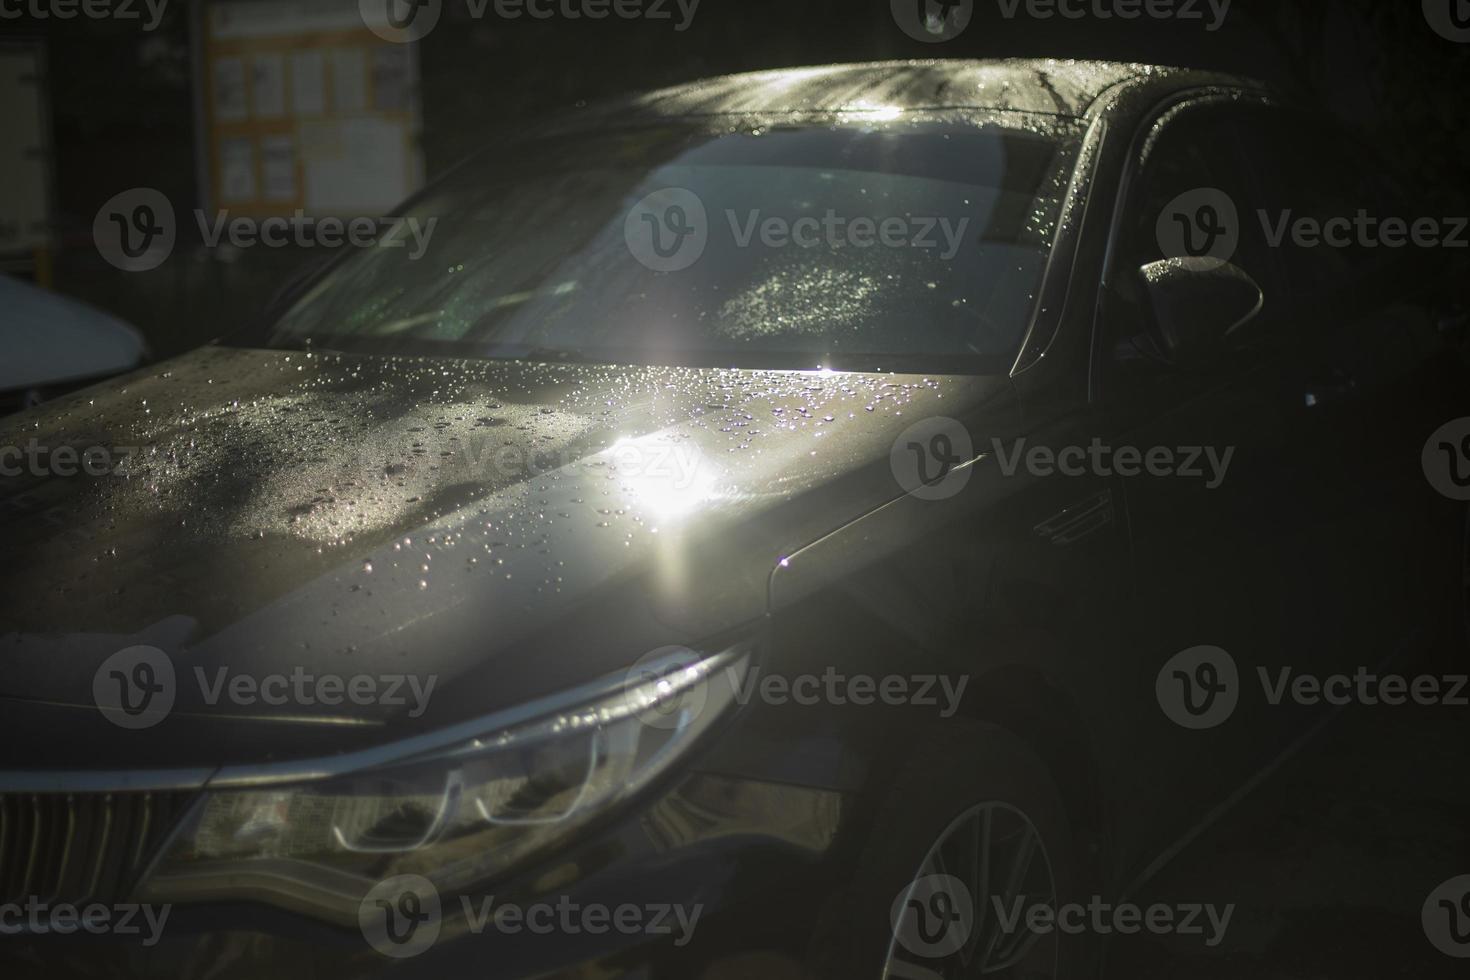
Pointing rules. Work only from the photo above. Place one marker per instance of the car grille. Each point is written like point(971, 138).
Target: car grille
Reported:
point(80, 847)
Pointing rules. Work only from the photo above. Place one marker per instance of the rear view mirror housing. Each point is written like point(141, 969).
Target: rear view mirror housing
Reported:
point(1199, 303)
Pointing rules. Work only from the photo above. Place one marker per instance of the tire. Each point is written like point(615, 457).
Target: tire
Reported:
point(960, 771)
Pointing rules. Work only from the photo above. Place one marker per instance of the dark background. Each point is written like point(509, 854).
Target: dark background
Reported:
point(1334, 850)
point(122, 105)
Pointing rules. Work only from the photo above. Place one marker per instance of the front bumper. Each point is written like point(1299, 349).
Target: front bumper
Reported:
point(713, 876)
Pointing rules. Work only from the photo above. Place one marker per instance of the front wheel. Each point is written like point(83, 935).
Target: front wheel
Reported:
point(973, 840)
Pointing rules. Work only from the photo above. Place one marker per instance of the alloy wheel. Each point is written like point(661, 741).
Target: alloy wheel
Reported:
point(964, 914)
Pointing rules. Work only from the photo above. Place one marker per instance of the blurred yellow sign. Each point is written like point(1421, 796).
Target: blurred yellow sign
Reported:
point(306, 108)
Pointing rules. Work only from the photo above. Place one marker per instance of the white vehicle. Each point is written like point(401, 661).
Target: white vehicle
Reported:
point(50, 345)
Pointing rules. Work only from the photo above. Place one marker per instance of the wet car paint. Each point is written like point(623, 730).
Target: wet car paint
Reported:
point(803, 521)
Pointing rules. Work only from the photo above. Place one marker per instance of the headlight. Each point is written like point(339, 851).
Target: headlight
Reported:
point(457, 813)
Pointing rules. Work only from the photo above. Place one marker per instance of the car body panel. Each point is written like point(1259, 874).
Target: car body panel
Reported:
point(52, 340)
point(445, 518)
point(1027, 587)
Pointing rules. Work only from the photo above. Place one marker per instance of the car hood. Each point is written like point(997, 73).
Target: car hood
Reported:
point(502, 530)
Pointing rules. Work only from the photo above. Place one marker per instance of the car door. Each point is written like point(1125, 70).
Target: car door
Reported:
point(1213, 552)
point(1368, 391)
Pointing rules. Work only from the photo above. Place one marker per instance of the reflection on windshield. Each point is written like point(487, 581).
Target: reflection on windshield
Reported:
point(791, 246)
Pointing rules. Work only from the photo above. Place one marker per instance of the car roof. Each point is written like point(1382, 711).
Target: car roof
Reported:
point(1039, 85)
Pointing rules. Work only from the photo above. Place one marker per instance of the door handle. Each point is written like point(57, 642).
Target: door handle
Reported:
point(1326, 387)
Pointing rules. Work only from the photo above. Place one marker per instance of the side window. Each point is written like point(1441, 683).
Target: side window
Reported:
point(1195, 179)
point(1194, 154)
point(1313, 179)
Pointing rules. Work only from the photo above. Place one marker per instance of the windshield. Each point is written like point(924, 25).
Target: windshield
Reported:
point(860, 244)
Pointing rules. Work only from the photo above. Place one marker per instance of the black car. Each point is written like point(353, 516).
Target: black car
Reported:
point(851, 504)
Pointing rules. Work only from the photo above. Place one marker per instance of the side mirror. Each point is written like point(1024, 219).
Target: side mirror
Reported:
point(1198, 304)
